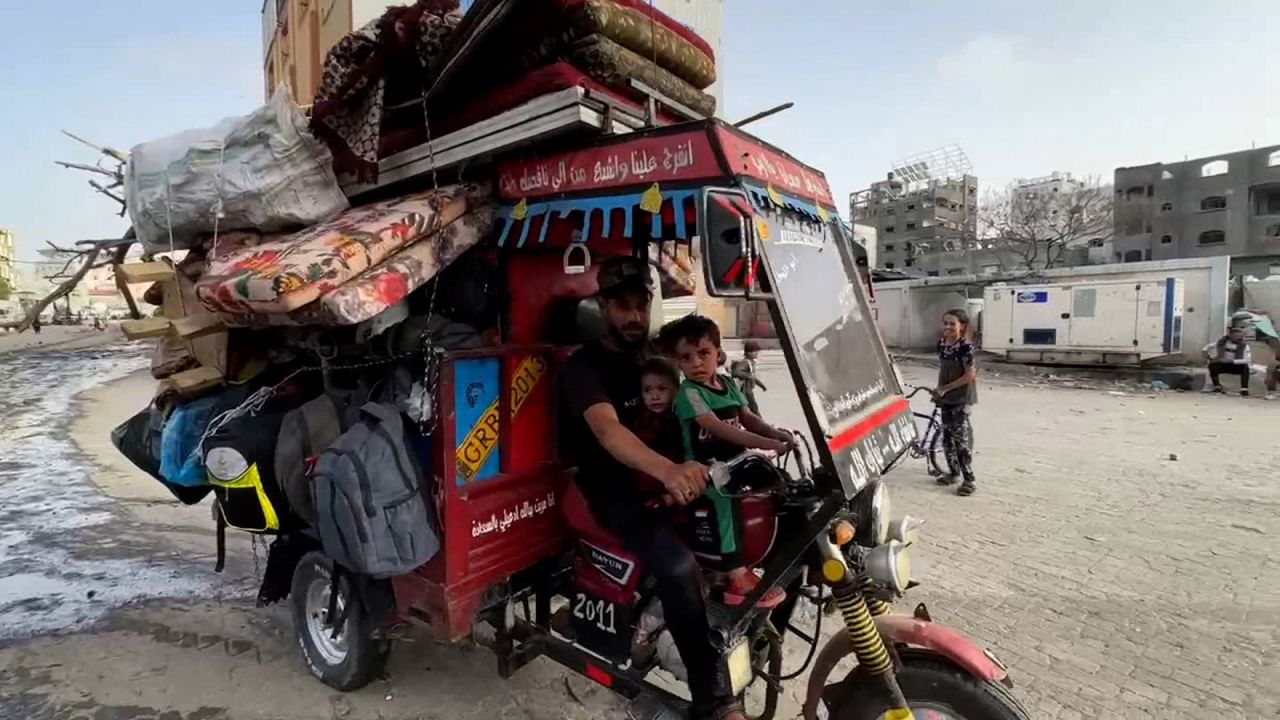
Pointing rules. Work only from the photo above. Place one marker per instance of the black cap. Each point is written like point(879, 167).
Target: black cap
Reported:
point(618, 275)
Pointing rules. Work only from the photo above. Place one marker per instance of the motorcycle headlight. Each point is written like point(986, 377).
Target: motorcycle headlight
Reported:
point(880, 509)
point(890, 564)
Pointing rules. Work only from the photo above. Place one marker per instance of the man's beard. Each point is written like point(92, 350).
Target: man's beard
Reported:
point(633, 340)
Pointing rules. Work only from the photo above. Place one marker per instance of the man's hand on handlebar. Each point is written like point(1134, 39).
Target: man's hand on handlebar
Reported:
point(686, 482)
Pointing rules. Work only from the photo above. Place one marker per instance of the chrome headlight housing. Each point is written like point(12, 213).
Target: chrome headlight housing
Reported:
point(880, 514)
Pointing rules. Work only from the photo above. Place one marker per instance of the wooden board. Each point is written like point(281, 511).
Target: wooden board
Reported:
point(155, 271)
point(193, 381)
point(146, 327)
point(196, 326)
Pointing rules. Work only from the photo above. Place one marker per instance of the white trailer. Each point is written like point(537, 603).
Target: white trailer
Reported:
point(1088, 322)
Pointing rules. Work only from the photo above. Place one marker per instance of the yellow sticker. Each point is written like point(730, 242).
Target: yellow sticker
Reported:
point(525, 379)
point(521, 210)
point(773, 195)
point(899, 714)
point(479, 444)
point(762, 230)
point(651, 200)
point(822, 214)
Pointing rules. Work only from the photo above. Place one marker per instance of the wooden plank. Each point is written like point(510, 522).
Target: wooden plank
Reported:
point(154, 271)
point(193, 381)
point(146, 327)
point(196, 326)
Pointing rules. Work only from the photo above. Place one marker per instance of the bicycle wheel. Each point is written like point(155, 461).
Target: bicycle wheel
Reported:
point(936, 455)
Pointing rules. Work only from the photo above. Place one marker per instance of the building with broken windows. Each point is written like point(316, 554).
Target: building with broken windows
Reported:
point(925, 214)
point(1219, 205)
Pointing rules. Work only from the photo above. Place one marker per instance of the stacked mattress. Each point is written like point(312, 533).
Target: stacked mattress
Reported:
point(366, 107)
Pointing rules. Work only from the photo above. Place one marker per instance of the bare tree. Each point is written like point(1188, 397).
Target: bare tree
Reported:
point(1036, 226)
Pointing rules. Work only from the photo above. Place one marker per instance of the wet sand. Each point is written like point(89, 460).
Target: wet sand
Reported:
point(61, 337)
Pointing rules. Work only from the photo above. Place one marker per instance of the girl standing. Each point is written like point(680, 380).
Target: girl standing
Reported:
point(956, 393)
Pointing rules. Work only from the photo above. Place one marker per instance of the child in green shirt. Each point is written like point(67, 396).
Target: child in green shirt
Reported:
point(717, 425)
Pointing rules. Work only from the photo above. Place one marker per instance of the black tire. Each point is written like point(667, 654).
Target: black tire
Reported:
point(933, 685)
point(357, 655)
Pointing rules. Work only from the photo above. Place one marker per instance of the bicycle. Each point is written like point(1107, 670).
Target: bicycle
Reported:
point(928, 444)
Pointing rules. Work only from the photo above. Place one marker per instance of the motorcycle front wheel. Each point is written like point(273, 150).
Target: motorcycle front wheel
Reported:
point(935, 690)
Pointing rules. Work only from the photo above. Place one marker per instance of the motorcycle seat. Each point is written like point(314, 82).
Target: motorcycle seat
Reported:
point(578, 515)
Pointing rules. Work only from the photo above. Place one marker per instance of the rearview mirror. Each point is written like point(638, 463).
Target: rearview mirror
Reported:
point(724, 225)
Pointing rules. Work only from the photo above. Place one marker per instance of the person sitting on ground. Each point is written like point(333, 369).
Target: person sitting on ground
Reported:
point(956, 394)
point(1230, 355)
point(717, 425)
point(744, 371)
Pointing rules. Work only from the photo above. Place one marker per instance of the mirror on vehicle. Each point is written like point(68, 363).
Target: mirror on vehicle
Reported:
point(725, 230)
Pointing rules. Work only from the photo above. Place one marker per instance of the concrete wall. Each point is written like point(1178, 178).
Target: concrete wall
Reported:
point(909, 317)
point(1264, 295)
point(909, 310)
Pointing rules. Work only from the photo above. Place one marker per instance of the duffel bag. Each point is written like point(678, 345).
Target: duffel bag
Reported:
point(370, 508)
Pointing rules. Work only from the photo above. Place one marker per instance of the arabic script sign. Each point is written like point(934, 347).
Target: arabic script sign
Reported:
point(787, 176)
point(667, 158)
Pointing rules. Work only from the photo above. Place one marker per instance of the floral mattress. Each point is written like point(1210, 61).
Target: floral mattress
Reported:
point(348, 269)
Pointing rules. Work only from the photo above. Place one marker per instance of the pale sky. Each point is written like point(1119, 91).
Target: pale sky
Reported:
point(1024, 87)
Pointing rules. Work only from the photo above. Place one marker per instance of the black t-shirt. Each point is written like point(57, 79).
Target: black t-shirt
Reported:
point(592, 375)
point(955, 361)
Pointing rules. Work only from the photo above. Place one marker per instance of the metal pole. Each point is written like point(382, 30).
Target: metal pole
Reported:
point(762, 115)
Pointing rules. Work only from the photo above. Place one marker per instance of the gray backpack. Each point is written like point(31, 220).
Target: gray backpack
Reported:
point(369, 504)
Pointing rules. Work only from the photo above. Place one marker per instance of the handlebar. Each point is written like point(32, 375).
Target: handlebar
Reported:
point(721, 473)
point(917, 389)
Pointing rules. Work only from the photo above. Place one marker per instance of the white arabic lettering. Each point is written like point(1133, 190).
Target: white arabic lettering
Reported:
point(676, 159)
point(851, 401)
point(510, 516)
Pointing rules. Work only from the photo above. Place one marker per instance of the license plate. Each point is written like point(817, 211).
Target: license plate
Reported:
point(602, 626)
point(740, 672)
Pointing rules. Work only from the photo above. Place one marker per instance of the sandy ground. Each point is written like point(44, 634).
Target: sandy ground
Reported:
point(61, 337)
point(1114, 581)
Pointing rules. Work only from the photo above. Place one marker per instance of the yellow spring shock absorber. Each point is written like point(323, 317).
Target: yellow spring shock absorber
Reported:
point(869, 647)
point(875, 605)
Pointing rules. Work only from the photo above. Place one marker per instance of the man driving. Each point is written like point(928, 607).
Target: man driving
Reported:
point(600, 391)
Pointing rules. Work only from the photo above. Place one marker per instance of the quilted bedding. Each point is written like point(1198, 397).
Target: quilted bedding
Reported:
point(638, 27)
point(613, 64)
point(286, 273)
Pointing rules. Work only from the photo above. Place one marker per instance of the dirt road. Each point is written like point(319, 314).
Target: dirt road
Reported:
point(1114, 581)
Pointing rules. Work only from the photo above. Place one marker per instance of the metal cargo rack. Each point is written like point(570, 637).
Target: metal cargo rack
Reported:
point(559, 113)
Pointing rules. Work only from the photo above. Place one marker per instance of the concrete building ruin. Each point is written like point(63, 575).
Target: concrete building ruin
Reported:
point(925, 213)
point(1218, 205)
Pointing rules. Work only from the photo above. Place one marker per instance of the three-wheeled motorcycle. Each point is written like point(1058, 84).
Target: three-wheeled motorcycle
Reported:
point(524, 568)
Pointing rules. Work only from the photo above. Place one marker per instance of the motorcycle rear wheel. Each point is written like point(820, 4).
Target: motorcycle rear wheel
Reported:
point(349, 658)
point(935, 690)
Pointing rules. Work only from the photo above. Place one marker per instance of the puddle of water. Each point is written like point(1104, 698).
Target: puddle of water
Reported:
point(59, 569)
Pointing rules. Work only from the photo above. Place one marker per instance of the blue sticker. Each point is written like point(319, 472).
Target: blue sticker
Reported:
point(476, 422)
point(1033, 296)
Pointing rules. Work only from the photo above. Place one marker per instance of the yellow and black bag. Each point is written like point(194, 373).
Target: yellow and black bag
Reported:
point(239, 458)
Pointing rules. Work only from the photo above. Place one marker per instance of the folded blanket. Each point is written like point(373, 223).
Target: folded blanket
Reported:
point(394, 49)
point(613, 64)
point(283, 274)
point(406, 271)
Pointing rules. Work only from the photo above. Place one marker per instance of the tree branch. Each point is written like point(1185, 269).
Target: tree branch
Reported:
point(90, 261)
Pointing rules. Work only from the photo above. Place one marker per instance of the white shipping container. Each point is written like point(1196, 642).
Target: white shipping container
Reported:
point(1084, 321)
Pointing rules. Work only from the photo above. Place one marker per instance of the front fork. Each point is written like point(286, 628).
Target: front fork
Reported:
point(859, 609)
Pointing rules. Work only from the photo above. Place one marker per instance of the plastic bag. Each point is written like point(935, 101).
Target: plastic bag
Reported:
point(263, 171)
